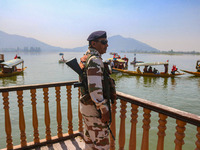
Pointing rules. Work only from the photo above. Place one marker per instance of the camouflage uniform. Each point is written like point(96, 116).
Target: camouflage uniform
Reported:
point(96, 132)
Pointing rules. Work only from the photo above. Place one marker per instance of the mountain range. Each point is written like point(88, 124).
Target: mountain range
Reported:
point(116, 44)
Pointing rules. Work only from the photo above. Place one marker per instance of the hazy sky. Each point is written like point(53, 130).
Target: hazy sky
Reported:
point(163, 24)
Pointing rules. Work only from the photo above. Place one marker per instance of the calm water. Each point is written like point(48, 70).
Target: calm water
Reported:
point(181, 92)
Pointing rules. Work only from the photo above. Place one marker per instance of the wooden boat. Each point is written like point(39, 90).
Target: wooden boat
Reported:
point(135, 73)
point(193, 73)
point(150, 74)
point(117, 63)
point(9, 68)
point(62, 61)
point(197, 73)
point(135, 62)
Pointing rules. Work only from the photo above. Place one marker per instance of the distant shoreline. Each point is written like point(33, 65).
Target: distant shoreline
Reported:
point(135, 52)
point(165, 53)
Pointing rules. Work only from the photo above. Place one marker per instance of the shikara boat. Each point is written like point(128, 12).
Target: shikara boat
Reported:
point(9, 68)
point(135, 62)
point(117, 63)
point(135, 73)
point(197, 73)
point(62, 60)
point(193, 73)
point(150, 74)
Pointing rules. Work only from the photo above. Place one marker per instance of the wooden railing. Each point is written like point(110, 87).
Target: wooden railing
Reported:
point(126, 105)
point(182, 118)
point(22, 124)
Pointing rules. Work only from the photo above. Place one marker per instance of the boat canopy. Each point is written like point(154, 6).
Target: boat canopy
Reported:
point(119, 60)
point(152, 64)
point(13, 62)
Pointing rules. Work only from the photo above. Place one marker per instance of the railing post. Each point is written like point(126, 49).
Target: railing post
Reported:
point(198, 139)
point(132, 141)
point(180, 128)
point(80, 120)
point(69, 110)
point(113, 125)
point(58, 112)
point(47, 114)
point(122, 136)
point(146, 127)
point(161, 133)
point(22, 125)
point(34, 116)
point(8, 128)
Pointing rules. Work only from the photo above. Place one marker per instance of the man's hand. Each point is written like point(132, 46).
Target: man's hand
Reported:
point(105, 117)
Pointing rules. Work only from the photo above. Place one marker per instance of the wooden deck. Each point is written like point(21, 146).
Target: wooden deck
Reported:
point(76, 143)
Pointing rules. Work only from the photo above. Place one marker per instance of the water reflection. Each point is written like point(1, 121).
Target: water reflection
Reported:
point(13, 80)
point(119, 76)
point(199, 83)
point(196, 80)
point(173, 83)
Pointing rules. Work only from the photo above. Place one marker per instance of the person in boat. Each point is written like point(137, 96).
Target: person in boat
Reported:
point(112, 64)
point(94, 106)
point(145, 69)
point(138, 70)
point(134, 60)
point(166, 68)
point(174, 69)
point(150, 69)
point(198, 66)
point(155, 71)
point(63, 58)
point(121, 65)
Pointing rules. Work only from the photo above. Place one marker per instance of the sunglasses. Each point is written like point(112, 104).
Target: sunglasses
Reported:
point(104, 42)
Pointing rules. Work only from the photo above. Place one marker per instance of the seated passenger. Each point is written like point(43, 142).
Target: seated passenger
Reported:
point(138, 70)
point(174, 69)
point(150, 70)
point(145, 69)
point(198, 68)
point(155, 71)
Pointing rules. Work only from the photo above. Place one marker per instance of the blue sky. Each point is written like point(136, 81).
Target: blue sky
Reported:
point(163, 24)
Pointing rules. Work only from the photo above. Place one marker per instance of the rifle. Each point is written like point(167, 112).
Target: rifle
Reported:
point(73, 64)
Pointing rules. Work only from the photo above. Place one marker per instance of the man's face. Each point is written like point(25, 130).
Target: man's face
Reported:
point(100, 45)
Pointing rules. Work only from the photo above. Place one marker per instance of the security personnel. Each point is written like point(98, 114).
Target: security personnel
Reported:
point(94, 109)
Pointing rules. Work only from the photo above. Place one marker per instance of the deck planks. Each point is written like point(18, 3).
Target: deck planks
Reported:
point(76, 143)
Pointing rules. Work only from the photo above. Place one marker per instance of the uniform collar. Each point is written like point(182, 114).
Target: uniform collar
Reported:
point(93, 51)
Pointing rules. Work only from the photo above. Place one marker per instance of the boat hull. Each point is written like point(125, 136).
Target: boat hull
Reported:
point(19, 71)
point(134, 73)
point(193, 73)
point(62, 61)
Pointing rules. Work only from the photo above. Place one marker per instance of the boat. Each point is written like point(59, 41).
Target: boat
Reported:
point(152, 73)
point(9, 68)
point(197, 73)
point(112, 53)
point(117, 63)
point(191, 72)
point(62, 60)
point(134, 62)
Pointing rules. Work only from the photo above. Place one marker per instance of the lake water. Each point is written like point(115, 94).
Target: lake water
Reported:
point(181, 92)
